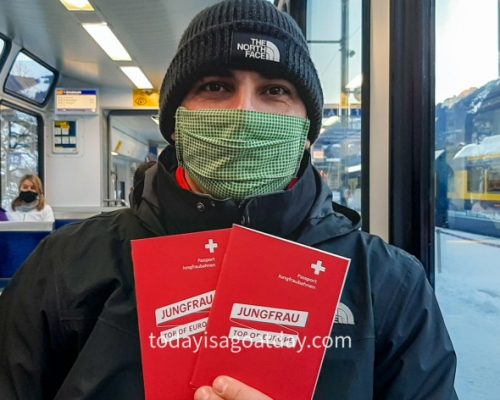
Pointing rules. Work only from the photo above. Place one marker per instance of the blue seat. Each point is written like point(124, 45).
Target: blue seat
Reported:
point(17, 241)
point(61, 222)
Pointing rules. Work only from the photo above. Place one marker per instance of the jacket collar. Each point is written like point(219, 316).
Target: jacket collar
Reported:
point(182, 211)
point(304, 213)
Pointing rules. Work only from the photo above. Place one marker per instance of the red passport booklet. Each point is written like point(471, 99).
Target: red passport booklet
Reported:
point(175, 278)
point(272, 315)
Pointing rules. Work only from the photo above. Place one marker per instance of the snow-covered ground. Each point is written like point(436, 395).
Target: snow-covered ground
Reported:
point(468, 291)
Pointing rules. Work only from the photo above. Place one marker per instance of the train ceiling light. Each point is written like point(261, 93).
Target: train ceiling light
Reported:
point(105, 38)
point(136, 75)
point(77, 5)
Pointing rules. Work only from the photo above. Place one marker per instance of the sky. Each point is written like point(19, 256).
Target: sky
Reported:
point(466, 45)
point(324, 24)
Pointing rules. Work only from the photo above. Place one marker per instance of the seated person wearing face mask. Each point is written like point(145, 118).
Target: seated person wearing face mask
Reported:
point(30, 204)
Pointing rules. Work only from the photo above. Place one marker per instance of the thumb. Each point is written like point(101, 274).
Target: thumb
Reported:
point(232, 389)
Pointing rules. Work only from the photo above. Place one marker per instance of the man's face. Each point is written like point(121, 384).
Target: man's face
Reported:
point(246, 90)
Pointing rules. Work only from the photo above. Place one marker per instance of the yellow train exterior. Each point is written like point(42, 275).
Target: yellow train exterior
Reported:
point(474, 178)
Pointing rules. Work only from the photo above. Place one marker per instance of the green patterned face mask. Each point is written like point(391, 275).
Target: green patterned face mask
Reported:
point(239, 153)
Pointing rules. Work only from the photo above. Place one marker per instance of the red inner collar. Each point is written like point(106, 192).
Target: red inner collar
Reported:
point(180, 177)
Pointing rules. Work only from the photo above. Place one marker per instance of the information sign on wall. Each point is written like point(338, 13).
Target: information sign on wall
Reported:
point(64, 137)
point(146, 99)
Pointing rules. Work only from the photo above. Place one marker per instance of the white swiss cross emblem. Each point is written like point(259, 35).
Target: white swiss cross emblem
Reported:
point(211, 246)
point(318, 268)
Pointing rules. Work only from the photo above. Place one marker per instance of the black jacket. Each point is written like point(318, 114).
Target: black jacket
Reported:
point(68, 324)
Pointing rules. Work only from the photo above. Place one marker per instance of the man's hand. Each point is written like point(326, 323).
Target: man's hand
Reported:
point(226, 388)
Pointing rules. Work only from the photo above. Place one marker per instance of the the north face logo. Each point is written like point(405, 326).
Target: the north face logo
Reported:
point(344, 315)
point(260, 48)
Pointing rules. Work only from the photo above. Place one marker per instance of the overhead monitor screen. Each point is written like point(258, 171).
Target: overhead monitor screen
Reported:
point(29, 79)
point(76, 101)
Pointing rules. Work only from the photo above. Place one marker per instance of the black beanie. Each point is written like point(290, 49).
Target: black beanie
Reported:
point(241, 34)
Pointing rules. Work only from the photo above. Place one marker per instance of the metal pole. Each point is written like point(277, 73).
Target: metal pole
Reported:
point(344, 68)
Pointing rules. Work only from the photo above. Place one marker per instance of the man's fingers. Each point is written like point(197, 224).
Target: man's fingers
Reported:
point(206, 393)
point(231, 389)
point(226, 388)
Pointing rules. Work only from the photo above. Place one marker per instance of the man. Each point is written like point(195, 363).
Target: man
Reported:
point(240, 103)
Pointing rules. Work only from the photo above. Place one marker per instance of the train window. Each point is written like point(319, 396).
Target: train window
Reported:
point(20, 149)
point(494, 179)
point(334, 34)
point(30, 79)
point(475, 180)
point(467, 171)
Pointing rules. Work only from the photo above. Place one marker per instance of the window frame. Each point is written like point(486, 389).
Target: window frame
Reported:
point(50, 90)
point(411, 129)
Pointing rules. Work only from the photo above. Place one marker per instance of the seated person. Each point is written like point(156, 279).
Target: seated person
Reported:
point(30, 205)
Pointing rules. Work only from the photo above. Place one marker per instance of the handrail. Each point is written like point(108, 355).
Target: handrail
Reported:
point(116, 202)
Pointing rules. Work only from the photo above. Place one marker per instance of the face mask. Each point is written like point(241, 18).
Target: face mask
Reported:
point(239, 153)
point(28, 196)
